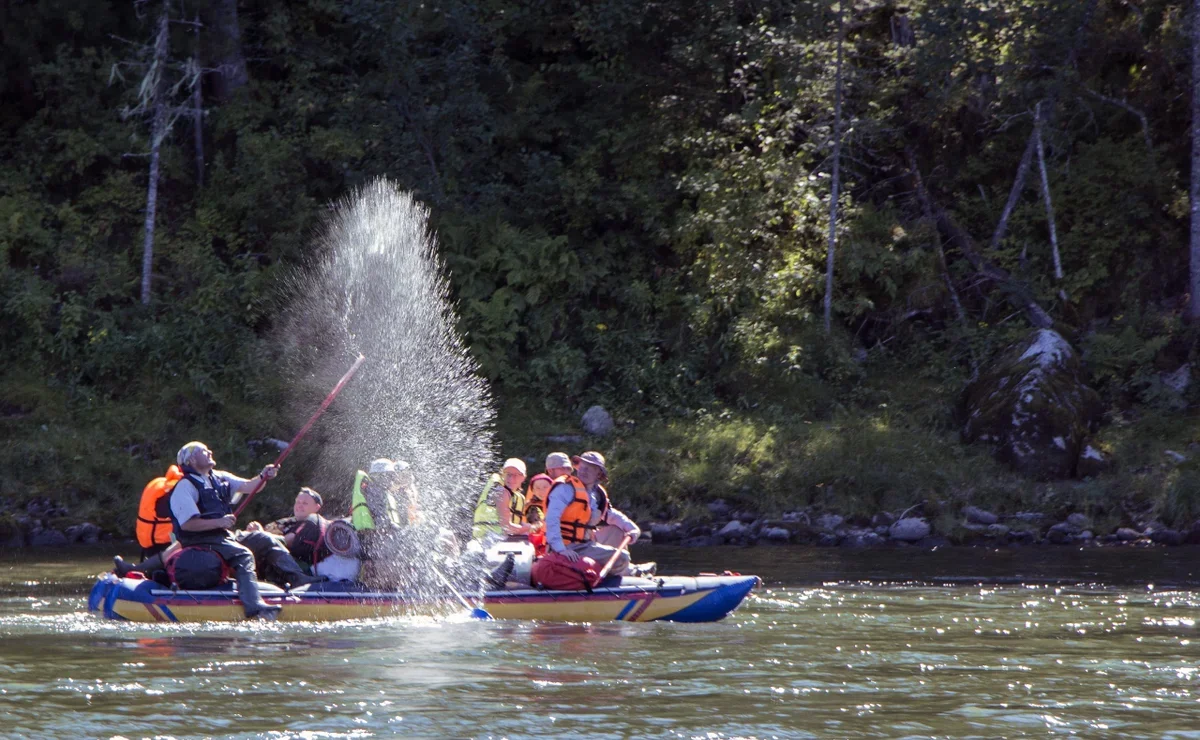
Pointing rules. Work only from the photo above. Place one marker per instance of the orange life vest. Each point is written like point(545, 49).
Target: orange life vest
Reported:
point(574, 524)
point(154, 511)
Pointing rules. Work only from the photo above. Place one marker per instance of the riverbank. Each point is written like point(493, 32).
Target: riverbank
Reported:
point(796, 472)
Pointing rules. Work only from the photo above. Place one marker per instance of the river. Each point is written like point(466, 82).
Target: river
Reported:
point(957, 642)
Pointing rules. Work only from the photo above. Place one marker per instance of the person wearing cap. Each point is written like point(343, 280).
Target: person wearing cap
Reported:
point(558, 464)
point(577, 506)
point(500, 509)
point(384, 496)
point(535, 511)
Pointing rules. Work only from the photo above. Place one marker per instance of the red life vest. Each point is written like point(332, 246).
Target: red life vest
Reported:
point(154, 511)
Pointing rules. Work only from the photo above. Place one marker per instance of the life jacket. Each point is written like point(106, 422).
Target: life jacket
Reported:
point(535, 510)
point(535, 516)
point(308, 542)
point(487, 518)
point(215, 501)
point(367, 504)
point(556, 573)
point(575, 524)
point(154, 512)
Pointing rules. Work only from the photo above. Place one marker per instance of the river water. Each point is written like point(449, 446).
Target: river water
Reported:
point(1033, 642)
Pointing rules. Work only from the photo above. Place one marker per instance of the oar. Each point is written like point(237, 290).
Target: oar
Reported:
point(611, 561)
point(303, 430)
point(477, 612)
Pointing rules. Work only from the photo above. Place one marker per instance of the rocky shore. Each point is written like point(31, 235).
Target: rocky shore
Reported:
point(972, 527)
point(44, 523)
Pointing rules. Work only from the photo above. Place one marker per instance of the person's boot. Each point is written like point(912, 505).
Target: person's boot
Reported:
point(252, 601)
point(290, 571)
point(498, 578)
point(643, 570)
point(149, 565)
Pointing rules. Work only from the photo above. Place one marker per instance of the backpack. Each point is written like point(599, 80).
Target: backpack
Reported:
point(197, 568)
point(556, 573)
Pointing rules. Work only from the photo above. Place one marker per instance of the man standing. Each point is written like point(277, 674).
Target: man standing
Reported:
point(577, 506)
point(202, 513)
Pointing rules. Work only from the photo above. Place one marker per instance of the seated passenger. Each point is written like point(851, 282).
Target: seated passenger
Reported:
point(500, 510)
point(535, 511)
point(394, 534)
point(202, 514)
point(303, 533)
point(577, 505)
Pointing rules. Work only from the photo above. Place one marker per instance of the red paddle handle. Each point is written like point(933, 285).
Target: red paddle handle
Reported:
point(303, 430)
point(611, 561)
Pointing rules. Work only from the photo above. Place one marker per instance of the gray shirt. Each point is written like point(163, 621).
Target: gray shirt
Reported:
point(185, 499)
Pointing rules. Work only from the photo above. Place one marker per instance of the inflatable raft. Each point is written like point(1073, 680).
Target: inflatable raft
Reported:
point(703, 598)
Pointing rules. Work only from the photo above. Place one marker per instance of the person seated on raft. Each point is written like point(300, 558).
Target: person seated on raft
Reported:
point(303, 533)
point(535, 511)
point(500, 509)
point(577, 505)
point(558, 464)
point(386, 515)
point(202, 514)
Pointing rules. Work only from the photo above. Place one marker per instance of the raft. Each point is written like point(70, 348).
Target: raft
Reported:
point(703, 598)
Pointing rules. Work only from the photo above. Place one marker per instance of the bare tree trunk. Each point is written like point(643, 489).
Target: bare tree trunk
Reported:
point(1014, 194)
point(158, 131)
point(927, 209)
point(228, 57)
point(1194, 191)
point(198, 121)
point(835, 185)
point(1015, 292)
point(1041, 153)
point(1046, 104)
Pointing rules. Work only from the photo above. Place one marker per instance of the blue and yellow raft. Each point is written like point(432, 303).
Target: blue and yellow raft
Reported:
point(703, 598)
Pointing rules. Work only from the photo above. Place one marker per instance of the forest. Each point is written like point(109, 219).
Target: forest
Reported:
point(776, 240)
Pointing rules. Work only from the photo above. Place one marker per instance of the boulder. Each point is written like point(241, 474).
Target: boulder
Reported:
point(47, 538)
point(976, 515)
point(1091, 462)
point(1167, 537)
point(862, 538)
point(665, 532)
point(883, 519)
point(734, 529)
point(909, 529)
point(87, 533)
point(828, 539)
point(1125, 534)
point(718, 508)
point(1078, 521)
point(999, 531)
point(777, 534)
point(1022, 537)
point(1061, 533)
point(597, 422)
point(829, 522)
point(1032, 407)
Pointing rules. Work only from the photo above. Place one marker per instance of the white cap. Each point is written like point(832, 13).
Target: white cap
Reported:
point(382, 465)
point(516, 464)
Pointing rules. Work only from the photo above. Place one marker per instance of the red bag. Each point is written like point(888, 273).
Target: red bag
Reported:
point(555, 572)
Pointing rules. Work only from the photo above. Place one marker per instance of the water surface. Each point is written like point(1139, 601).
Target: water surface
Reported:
point(1031, 642)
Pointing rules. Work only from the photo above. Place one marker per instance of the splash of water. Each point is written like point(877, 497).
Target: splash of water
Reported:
point(378, 287)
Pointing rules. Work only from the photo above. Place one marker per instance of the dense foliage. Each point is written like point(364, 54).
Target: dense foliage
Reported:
point(632, 199)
